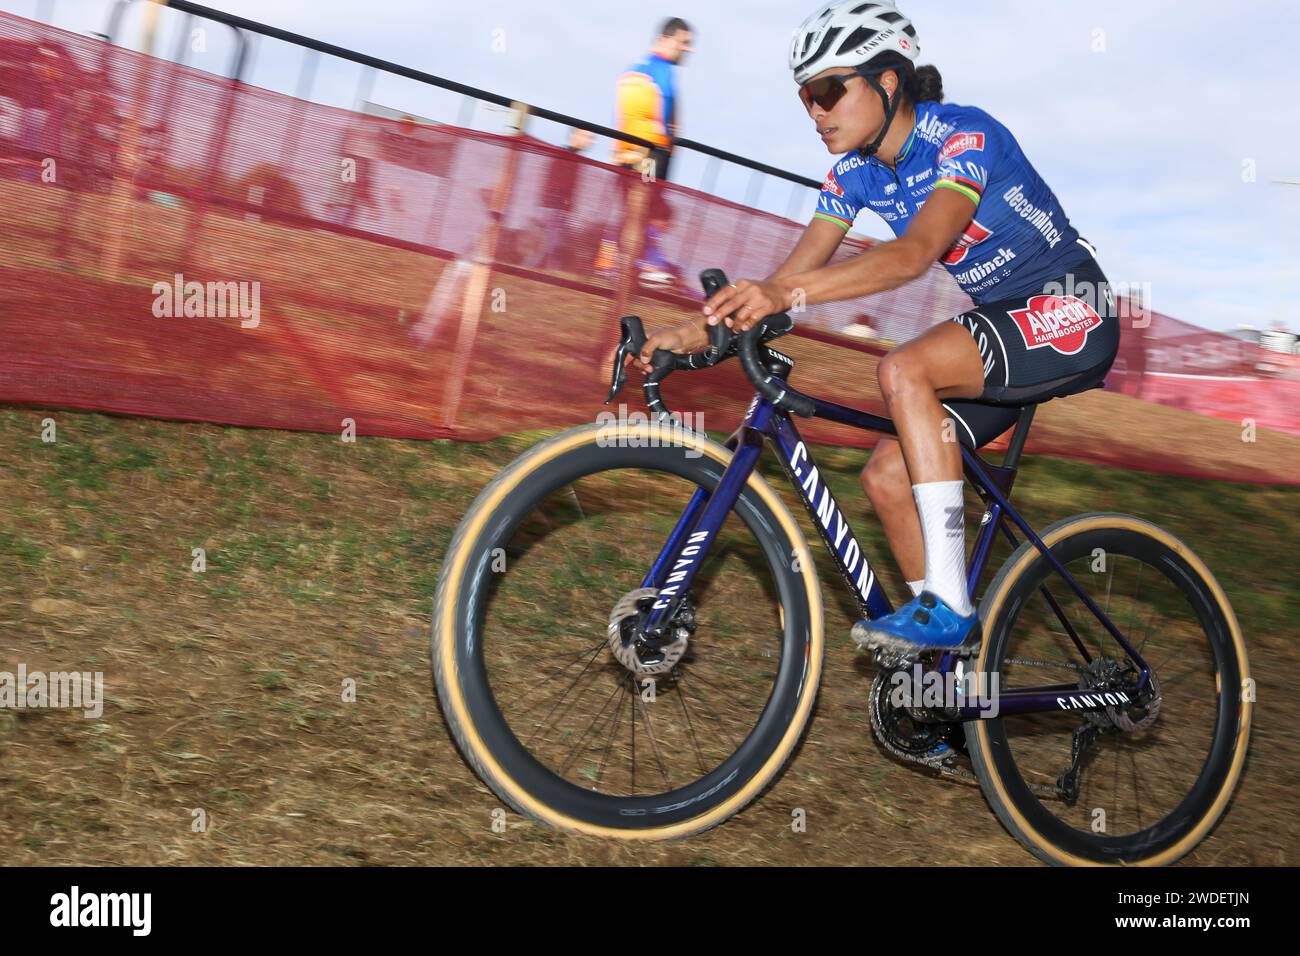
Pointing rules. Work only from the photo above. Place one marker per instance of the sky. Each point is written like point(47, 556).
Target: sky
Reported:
point(1160, 125)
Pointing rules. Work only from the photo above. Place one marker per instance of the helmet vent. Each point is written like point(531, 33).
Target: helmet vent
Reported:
point(858, 37)
point(827, 40)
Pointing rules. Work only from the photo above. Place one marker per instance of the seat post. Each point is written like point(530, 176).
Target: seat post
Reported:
point(1017, 444)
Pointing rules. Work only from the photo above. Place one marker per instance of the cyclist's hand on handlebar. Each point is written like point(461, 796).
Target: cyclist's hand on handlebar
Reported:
point(682, 339)
point(743, 304)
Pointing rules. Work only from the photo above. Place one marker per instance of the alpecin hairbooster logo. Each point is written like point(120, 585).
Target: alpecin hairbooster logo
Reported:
point(1059, 322)
point(972, 235)
point(959, 143)
point(832, 184)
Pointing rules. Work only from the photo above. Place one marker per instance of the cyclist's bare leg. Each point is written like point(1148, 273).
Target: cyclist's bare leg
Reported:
point(889, 489)
point(942, 362)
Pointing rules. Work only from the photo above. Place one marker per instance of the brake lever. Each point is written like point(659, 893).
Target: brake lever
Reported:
point(722, 338)
point(632, 341)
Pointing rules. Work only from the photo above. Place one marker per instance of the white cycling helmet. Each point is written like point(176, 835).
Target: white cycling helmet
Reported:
point(850, 33)
point(869, 35)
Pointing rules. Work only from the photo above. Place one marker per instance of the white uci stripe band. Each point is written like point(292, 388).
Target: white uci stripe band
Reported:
point(973, 442)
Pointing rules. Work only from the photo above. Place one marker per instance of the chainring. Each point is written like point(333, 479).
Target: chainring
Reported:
point(903, 733)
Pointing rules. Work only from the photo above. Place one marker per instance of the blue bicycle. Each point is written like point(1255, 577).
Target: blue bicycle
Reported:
point(628, 637)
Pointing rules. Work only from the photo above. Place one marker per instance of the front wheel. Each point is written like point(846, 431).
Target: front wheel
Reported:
point(1136, 784)
point(570, 726)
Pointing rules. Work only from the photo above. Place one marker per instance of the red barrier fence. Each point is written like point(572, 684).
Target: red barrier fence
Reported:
point(181, 246)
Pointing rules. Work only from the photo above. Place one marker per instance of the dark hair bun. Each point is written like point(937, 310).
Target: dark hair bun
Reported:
point(925, 85)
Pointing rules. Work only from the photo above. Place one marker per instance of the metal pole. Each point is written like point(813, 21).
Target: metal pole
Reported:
point(365, 84)
point(710, 177)
point(480, 276)
point(117, 221)
point(306, 82)
point(194, 230)
point(793, 205)
point(754, 190)
point(467, 107)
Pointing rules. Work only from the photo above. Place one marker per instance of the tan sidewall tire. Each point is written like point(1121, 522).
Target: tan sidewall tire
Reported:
point(977, 734)
point(450, 586)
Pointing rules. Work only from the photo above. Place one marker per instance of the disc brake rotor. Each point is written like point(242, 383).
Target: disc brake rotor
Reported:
point(1106, 675)
point(631, 649)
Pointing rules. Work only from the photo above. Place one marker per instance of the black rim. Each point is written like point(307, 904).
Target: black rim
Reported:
point(1165, 832)
point(643, 811)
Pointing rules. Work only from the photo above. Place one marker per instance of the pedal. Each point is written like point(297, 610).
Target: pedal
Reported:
point(889, 659)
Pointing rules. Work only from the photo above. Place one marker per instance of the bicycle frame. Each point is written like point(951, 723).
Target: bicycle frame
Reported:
point(682, 554)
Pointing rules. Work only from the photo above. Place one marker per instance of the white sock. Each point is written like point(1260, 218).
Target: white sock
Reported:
point(916, 586)
point(943, 527)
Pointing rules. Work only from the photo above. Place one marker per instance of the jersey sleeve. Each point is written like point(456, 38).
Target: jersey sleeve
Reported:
point(834, 204)
point(966, 157)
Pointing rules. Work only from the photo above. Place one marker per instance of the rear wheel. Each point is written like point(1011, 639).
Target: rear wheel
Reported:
point(560, 715)
point(1136, 784)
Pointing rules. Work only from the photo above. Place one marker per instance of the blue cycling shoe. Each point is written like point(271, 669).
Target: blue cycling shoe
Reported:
point(924, 623)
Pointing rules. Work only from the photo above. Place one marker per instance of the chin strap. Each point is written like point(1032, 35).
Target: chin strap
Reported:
point(890, 109)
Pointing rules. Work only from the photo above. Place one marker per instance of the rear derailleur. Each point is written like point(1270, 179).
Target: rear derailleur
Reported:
point(1135, 711)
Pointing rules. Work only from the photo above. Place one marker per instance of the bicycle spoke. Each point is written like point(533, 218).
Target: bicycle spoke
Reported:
point(572, 684)
point(650, 735)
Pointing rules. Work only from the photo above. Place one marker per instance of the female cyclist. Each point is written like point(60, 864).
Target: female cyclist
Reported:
point(955, 187)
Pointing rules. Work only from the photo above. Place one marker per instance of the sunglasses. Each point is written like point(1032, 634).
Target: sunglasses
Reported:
point(825, 92)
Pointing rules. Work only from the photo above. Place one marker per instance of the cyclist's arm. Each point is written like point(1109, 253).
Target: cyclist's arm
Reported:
point(813, 250)
point(889, 265)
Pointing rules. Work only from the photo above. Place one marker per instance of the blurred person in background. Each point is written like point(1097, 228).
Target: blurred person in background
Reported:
point(559, 186)
point(646, 105)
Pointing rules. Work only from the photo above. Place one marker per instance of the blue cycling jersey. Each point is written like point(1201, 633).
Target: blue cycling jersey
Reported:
point(1019, 238)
